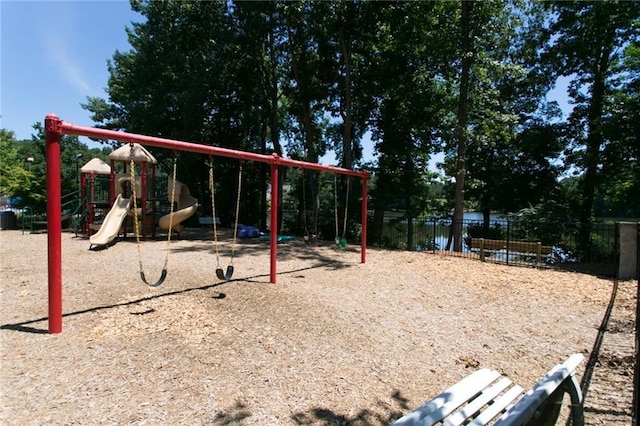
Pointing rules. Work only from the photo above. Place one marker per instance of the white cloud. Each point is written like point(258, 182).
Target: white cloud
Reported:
point(66, 65)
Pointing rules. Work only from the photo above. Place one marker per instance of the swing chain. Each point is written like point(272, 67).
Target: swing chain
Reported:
point(341, 241)
point(132, 182)
point(307, 237)
point(222, 275)
point(171, 209)
point(235, 225)
point(346, 206)
point(213, 211)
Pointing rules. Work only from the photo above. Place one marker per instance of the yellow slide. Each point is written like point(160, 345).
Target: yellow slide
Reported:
point(112, 222)
point(187, 206)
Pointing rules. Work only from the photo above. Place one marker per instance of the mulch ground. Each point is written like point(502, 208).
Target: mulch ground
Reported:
point(333, 342)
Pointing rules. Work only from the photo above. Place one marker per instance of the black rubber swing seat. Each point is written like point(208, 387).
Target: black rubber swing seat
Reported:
point(225, 276)
point(157, 283)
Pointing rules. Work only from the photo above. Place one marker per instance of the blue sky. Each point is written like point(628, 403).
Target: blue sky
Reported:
point(54, 54)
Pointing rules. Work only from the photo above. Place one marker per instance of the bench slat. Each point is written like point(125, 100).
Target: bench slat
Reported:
point(445, 403)
point(498, 406)
point(485, 394)
point(474, 406)
point(526, 407)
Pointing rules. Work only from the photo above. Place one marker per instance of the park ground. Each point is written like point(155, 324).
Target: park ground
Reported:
point(333, 342)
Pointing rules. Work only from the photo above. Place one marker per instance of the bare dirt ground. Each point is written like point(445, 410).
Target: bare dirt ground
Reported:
point(334, 342)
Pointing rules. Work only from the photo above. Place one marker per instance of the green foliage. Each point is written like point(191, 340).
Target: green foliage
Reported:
point(497, 231)
point(301, 77)
point(15, 180)
point(586, 42)
point(27, 179)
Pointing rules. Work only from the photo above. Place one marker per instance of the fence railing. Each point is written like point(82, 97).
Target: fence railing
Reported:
point(542, 244)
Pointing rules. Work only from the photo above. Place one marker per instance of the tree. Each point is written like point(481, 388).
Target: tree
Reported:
point(620, 175)
point(515, 140)
point(410, 98)
point(499, 93)
point(15, 180)
point(466, 52)
point(27, 180)
point(586, 40)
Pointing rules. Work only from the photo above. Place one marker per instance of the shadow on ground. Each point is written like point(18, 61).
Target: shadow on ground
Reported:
point(380, 413)
point(27, 326)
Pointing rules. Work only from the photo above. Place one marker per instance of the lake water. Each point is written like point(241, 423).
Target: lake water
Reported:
point(429, 230)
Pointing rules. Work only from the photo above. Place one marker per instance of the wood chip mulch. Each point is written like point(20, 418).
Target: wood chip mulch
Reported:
point(333, 342)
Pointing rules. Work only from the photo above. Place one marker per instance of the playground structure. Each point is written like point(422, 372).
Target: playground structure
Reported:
point(55, 128)
point(106, 206)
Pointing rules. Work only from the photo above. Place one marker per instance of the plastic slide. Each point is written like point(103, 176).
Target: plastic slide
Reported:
point(112, 222)
point(187, 206)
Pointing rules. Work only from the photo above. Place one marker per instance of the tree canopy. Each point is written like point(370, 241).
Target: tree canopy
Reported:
point(466, 80)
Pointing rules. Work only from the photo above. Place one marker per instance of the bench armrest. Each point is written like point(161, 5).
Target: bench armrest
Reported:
point(560, 375)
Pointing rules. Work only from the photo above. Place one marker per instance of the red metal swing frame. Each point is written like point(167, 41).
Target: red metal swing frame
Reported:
point(55, 128)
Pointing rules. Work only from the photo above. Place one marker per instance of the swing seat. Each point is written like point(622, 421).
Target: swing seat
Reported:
point(341, 243)
point(279, 238)
point(163, 276)
point(225, 276)
point(310, 239)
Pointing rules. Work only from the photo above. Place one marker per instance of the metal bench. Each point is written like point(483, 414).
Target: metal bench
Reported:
point(486, 397)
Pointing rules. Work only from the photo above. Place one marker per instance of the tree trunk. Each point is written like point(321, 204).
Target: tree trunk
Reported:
point(462, 129)
point(594, 142)
point(273, 118)
point(410, 233)
point(486, 221)
point(347, 118)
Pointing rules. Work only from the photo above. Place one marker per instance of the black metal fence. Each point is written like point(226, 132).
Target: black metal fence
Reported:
point(542, 244)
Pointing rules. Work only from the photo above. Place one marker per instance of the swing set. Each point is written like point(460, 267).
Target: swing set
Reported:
point(55, 128)
point(340, 239)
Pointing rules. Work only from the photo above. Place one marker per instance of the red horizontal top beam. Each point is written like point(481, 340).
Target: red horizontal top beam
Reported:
point(62, 127)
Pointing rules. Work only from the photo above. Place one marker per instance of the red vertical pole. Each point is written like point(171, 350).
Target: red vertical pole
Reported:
point(54, 221)
point(92, 205)
point(83, 199)
point(364, 219)
point(112, 183)
point(274, 218)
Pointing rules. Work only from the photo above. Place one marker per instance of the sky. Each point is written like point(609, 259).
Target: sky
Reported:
point(53, 54)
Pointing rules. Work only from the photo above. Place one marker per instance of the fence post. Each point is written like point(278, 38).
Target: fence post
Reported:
point(434, 236)
point(539, 253)
point(482, 249)
point(508, 238)
point(627, 233)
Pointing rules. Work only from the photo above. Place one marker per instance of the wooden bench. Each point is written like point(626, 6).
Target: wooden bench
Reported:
point(523, 247)
point(485, 397)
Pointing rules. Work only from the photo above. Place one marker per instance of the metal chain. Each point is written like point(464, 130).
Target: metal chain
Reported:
point(171, 208)
point(132, 181)
point(213, 211)
point(346, 206)
point(136, 227)
point(304, 207)
point(235, 228)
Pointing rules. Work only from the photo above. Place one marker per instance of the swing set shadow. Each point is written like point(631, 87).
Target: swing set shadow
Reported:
point(26, 326)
